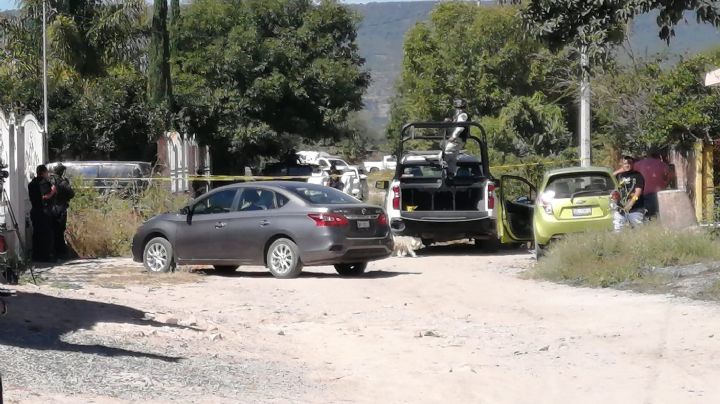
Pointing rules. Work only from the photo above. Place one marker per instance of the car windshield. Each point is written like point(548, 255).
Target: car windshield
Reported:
point(319, 195)
point(565, 185)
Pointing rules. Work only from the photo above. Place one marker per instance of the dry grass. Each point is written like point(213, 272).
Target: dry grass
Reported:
point(103, 225)
point(610, 259)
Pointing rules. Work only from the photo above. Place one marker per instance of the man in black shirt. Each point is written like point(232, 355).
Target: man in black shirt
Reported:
point(60, 207)
point(41, 193)
point(631, 184)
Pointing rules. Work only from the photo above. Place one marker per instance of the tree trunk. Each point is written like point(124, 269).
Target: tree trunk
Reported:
point(159, 84)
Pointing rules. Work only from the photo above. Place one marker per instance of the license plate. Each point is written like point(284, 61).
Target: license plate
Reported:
point(363, 224)
point(582, 211)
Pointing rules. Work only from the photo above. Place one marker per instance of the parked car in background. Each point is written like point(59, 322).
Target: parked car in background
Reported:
point(573, 200)
point(283, 225)
point(387, 163)
point(109, 176)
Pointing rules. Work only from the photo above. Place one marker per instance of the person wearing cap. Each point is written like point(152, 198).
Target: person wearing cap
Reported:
point(456, 142)
point(631, 185)
point(61, 203)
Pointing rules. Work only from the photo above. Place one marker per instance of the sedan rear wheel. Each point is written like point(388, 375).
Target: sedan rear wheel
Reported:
point(283, 259)
point(158, 256)
point(355, 269)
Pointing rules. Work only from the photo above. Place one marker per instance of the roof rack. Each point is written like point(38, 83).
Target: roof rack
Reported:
point(408, 133)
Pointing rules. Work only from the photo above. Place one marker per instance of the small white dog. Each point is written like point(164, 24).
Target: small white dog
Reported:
point(405, 246)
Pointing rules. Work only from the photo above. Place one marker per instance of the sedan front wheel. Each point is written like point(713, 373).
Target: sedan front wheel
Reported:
point(158, 256)
point(283, 259)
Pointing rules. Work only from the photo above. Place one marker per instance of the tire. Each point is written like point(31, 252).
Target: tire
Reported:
point(283, 259)
point(427, 242)
point(158, 256)
point(491, 245)
point(226, 269)
point(356, 269)
point(374, 169)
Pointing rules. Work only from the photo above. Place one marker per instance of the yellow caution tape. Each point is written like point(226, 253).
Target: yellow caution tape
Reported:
point(286, 177)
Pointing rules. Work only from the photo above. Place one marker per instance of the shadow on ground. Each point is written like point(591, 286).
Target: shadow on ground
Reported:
point(36, 321)
point(467, 250)
point(305, 274)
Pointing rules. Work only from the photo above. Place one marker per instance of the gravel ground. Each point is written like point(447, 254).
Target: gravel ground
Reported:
point(56, 344)
point(453, 325)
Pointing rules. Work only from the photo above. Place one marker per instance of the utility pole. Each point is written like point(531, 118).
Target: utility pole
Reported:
point(45, 89)
point(585, 144)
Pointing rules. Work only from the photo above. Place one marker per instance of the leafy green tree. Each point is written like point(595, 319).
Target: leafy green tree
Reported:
point(247, 73)
point(594, 27)
point(95, 48)
point(482, 55)
point(684, 109)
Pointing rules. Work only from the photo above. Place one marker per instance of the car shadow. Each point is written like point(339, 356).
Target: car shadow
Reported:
point(380, 274)
point(37, 321)
point(466, 250)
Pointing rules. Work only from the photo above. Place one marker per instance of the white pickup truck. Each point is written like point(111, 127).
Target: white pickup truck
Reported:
point(387, 163)
point(353, 177)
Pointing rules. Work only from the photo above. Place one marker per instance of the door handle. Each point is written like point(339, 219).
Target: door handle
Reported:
point(265, 223)
point(219, 225)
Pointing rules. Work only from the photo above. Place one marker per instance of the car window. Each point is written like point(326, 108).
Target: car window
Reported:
point(324, 163)
point(468, 170)
point(422, 171)
point(82, 171)
point(339, 164)
point(218, 202)
point(323, 195)
point(257, 199)
point(566, 185)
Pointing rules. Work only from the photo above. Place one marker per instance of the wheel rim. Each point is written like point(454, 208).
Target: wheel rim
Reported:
point(281, 259)
point(156, 257)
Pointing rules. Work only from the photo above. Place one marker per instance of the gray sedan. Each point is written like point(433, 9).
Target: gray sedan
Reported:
point(282, 225)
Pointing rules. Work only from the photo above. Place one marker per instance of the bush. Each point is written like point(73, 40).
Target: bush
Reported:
point(609, 259)
point(102, 225)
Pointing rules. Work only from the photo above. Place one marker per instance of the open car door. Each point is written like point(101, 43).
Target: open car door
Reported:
point(517, 204)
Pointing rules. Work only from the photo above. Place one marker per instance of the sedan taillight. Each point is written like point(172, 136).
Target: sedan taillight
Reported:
point(328, 219)
point(382, 219)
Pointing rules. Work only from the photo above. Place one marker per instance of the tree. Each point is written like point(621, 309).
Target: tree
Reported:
point(593, 28)
point(248, 73)
point(482, 55)
point(159, 84)
point(96, 108)
point(685, 110)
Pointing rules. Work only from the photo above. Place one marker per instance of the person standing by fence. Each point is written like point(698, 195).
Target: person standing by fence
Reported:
point(60, 207)
point(41, 193)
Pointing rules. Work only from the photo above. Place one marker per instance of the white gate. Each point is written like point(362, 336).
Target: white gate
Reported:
point(22, 149)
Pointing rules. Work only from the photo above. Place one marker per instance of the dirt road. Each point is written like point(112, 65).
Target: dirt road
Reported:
point(451, 326)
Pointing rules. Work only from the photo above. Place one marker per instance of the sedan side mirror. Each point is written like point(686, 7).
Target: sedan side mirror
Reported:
point(382, 184)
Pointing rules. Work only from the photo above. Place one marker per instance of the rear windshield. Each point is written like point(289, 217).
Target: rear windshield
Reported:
point(566, 185)
point(319, 195)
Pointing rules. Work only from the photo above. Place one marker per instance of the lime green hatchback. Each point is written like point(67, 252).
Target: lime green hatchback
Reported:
point(573, 200)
